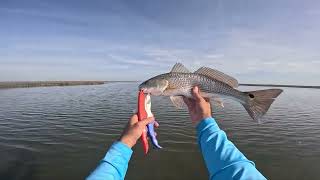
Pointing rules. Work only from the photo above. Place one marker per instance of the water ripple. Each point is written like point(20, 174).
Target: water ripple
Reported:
point(74, 126)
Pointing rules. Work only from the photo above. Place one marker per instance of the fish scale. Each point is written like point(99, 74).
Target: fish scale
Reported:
point(185, 81)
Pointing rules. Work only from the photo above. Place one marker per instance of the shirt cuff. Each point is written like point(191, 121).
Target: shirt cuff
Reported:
point(207, 123)
point(119, 148)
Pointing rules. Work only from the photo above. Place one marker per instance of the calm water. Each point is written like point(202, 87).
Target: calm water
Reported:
point(62, 133)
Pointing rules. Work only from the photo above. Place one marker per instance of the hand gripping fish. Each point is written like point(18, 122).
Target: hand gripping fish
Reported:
point(213, 84)
point(144, 111)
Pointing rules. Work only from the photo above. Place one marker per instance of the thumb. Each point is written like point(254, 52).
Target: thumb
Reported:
point(146, 121)
point(196, 94)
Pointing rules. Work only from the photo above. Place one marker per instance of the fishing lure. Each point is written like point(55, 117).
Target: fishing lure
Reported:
point(144, 111)
point(150, 126)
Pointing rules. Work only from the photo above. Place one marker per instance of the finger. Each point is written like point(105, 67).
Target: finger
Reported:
point(196, 94)
point(133, 119)
point(146, 121)
point(156, 124)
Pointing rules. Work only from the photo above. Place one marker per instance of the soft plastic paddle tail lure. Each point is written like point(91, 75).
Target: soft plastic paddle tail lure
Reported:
point(144, 111)
point(150, 126)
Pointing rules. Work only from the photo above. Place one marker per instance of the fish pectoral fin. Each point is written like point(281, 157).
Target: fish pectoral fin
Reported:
point(178, 102)
point(217, 75)
point(216, 99)
point(218, 102)
point(178, 67)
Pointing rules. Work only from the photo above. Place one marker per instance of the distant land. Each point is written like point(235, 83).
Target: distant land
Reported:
point(29, 84)
point(281, 85)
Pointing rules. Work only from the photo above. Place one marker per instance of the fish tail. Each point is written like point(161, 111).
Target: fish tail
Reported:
point(258, 102)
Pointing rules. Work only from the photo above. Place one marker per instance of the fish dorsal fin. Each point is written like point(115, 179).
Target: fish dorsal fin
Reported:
point(220, 76)
point(178, 67)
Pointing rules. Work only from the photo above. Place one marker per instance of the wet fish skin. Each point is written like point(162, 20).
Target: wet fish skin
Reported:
point(180, 84)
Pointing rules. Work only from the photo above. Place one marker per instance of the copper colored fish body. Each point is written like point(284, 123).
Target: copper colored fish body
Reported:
point(213, 84)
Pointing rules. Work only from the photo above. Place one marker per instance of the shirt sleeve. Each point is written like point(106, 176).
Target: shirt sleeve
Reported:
point(114, 165)
point(222, 158)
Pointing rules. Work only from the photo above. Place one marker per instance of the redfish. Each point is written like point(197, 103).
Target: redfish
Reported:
point(212, 84)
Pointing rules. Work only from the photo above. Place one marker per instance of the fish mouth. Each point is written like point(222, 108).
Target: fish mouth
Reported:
point(143, 89)
point(150, 91)
point(146, 90)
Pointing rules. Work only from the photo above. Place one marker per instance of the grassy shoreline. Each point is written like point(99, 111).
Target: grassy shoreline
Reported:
point(29, 84)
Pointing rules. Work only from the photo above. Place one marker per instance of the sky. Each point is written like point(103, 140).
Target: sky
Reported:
point(255, 41)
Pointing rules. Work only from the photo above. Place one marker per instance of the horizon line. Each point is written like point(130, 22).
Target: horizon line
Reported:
point(112, 81)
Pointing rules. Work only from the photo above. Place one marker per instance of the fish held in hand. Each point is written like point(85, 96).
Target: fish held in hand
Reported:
point(213, 84)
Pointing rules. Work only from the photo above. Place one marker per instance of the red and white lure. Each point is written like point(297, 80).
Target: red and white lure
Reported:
point(144, 111)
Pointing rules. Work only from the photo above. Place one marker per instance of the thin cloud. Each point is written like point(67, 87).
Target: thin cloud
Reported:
point(260, 42)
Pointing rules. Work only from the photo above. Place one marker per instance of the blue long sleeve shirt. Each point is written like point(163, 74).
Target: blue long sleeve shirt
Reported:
point(222, 158)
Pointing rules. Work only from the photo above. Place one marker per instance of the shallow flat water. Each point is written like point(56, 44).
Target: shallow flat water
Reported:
point(62, 133)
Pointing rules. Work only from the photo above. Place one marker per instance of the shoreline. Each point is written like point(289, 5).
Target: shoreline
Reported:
point(30, 84)
point(281, 85)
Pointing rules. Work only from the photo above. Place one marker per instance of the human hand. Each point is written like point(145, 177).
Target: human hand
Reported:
point(199, 107)
point(134, 130)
